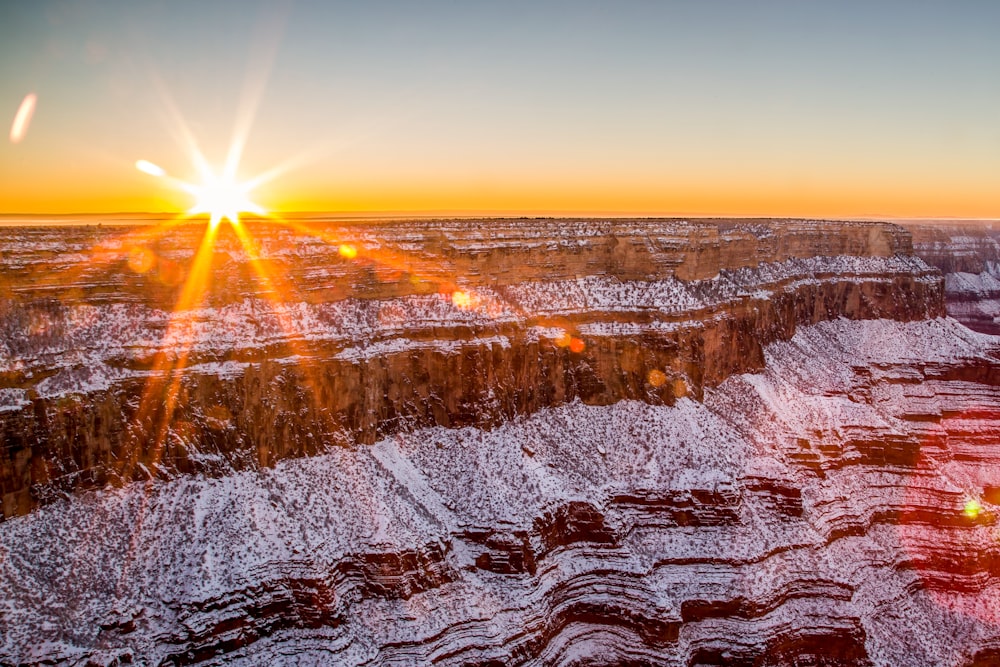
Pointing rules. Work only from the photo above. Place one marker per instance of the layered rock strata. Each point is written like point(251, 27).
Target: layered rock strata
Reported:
point(839, 507)
point(494, 442)
point(318, 335)
point(968, 253)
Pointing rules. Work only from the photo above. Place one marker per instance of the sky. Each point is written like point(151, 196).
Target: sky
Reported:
point(709, 107)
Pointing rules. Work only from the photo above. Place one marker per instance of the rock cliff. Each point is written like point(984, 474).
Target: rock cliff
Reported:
point(968, 253)
point(334, 335)
point(496, 442)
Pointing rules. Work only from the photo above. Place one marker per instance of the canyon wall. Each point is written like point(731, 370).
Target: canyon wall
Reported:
point(494, 442)
point(837, 508)
point(308, 337)
point(968, 254)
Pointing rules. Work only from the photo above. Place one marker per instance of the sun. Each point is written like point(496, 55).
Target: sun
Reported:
point(222, 198)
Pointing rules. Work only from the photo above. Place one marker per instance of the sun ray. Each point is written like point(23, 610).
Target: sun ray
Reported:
point(462, 296)
point(429, 272)
point(100, 255)
point(266, 39)
point(274, 287)
point(179, 129)
point(221, 196)
point(165, 377)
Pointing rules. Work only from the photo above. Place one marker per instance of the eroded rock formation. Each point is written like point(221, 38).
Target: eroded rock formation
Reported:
point(787, 458)
point(298, 347)
point(969, 256)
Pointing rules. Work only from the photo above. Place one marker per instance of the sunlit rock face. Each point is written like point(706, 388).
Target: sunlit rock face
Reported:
point(786, 459)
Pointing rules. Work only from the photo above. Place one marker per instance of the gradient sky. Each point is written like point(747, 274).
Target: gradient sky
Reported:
point(695, 108)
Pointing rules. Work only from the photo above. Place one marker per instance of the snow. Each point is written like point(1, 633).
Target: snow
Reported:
point(399, 345)
point(191, 552)
point(13, 399)
point(114, 336)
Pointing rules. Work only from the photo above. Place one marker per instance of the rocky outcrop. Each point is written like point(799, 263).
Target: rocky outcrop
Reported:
point(968, 253)
point(322, 336)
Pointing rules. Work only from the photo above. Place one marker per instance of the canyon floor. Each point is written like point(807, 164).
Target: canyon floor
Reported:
point(539, 442)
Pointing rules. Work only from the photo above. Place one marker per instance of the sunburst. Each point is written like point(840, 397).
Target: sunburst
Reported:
point(220, 196)
point(223, 199)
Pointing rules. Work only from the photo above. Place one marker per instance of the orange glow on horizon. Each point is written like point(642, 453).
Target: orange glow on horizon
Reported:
point(80, 197)
point(731, 193)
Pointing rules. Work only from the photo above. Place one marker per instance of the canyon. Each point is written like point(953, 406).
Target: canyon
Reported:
point(969, 257)
point(491, 442)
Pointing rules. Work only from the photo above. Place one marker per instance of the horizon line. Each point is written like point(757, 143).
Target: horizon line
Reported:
point(499, 214)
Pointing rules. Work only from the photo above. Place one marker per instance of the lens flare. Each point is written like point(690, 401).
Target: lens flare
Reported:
point(22, 119)
point(141, 259)
point(148, 167)
point(656, 378)
point(972, 508)
point(464, 300)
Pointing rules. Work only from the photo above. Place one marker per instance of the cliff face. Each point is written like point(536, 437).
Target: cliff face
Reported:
point(968, 255)
point(299, 345)
point(497, 442)
point(805, 514)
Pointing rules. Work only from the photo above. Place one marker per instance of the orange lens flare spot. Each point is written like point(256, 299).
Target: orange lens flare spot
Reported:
point(464, 300)
point(972, 508)
point(576, 345)
point(656, 378)
point(22, 119)
point(347, 251)
point(169, 273)
point(141, 260)
point(563, 340)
